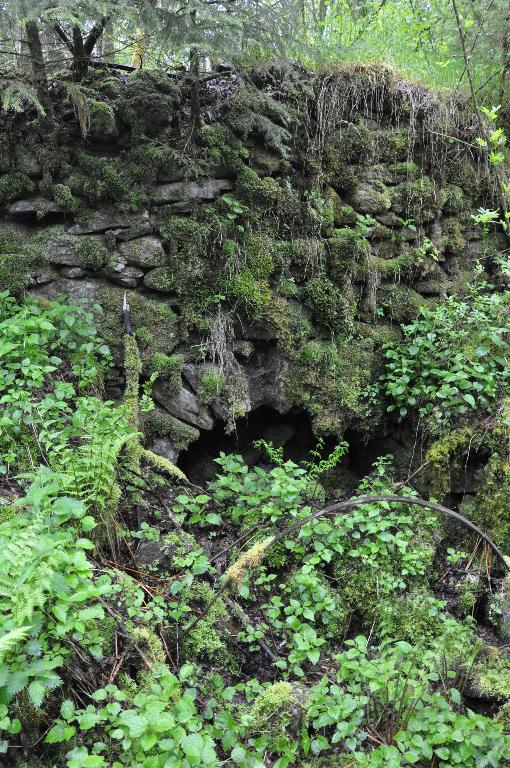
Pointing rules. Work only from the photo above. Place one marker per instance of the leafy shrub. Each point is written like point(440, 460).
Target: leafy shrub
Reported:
point(454, 358)
point(50, 353)
point(48, 590)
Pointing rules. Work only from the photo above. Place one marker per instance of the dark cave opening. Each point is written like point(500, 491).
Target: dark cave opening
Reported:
point(293, 432)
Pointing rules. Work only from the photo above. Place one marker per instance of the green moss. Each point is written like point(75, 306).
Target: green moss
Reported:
point(161, 279)
point(329, 380)
point(247, 294)
point(406, 170)
point(344, 215)
point(102, 120)
point(98, 179)
point(63, 197)
point(210, 384)
point(347, 252)
point(491, 510)
point(255, 190)
point(91, 252)
point(273, 712)
point(467, 595)
point(205, 642)
point(400, 302)
point(168, 368)
point(371, 198)
point(455, 200)
point(415, 617)
point(155, 321)
point(261, 253)
point(148, 102)
point(329, 304)
point(227, 152)
point(453, 235)
point(418, 199)
point(492, 675)
point(14, 185)
point(18, 268)
point(159, 423)
point(110, 86)
point(503, 717)
point(393, 145)
point(183, 236)
point(143, 160)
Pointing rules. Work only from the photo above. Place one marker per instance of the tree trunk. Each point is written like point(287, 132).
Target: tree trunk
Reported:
point(80, 58)
point(39, 71)
point(195, 89)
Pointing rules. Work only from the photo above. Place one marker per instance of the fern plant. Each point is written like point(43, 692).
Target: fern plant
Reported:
point(20, 96)
point(48, 591)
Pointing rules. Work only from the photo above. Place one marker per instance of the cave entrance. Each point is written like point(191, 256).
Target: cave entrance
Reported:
point(291, 431)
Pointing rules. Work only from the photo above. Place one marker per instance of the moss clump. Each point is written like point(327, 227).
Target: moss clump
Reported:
point(159, 423)
point(413, 617)
point(418, 199)
point(347, 252)
point(13, 185)
point(371, 198)
point(491, 676)
point(261, 254)
point(154, 321)
point(148, 102)
point(98, 180)
point(247, 294)
point(227, 153)
point(276, 712)
point(453, 198)
point(453, 236)
point(17, 269)
point(168, 368)
point(329, 379)
point(400, 302)
point(63, 197)
point(393, 146)
point(92, 253)
point(161, 279)
point(183, 236)
point(344, 215)
point(405, 170)
point(329, 304)
point(491, 510)
point(211, 383)
point(102, 120)
point(204, 642)
point(255, 190)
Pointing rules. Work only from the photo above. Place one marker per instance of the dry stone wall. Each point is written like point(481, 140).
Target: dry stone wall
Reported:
point(268, 257)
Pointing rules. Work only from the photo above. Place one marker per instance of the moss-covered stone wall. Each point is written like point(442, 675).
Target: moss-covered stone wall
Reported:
point(268, 252)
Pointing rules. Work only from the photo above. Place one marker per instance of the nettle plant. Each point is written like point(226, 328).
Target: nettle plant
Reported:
point(50, 354)
point(454, 357)
point(48, 590)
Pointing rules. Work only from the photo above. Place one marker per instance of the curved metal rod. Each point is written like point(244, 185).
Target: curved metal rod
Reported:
point(357, 501)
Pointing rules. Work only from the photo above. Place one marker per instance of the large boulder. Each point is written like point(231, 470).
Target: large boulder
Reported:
point(184, 406)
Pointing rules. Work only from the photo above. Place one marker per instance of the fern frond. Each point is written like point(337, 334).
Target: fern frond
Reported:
point(18, 96)
point(11, 639)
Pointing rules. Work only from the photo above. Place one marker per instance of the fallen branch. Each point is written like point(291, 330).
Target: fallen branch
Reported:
point(340, 507)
